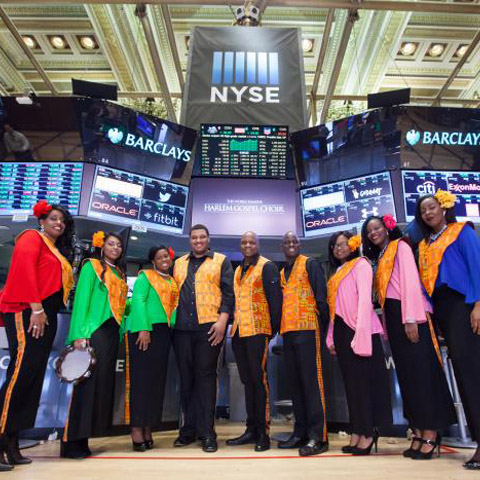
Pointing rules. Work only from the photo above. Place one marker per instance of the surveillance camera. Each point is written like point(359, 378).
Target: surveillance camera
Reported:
point(254, 13)
point(240, 13)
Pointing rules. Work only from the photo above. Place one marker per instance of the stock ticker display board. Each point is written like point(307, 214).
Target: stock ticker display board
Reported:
point(243, 151)
point(22, 185)
point(465, 185)
point(343, 205)
point(133, 199)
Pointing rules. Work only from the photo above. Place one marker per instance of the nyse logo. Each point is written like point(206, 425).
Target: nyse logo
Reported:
point(427, 188)
point(245, 76)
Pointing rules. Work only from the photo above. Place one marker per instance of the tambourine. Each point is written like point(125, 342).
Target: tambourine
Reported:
point(74, 365)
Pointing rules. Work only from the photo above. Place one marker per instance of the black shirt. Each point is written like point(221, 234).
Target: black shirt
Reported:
point(316, 277)
point(272, 289)
point(187, 318)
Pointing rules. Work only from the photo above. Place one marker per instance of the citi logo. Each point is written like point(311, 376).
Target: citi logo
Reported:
point(250, 76)
point(427, 188)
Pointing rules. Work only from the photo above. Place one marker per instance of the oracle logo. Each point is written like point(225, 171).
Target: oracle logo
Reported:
point(326, 222)
point(132, 212)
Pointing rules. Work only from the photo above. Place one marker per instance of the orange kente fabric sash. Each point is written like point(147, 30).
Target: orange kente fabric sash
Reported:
point(334, 283)
point(116, 287)
point(384, 271)
point(166, 289)
point(67, 272)
point(431, 255)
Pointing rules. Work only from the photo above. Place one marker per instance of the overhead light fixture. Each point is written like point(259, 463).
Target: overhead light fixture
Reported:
point(88, 42)
point(59, 42)
point(30, 41)
point(436, 50)
point(307, 45)
point(408, 48)
point(461, 50)
point(133, 237)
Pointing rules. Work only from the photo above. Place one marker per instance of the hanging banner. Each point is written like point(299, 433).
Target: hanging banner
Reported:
point(249, 75)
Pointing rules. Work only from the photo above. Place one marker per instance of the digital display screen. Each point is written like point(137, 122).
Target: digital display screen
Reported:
point(133, 199)
point(118, 137)
point(22, 185)
point(244, 151)
point(465, 185)
point(343, 205)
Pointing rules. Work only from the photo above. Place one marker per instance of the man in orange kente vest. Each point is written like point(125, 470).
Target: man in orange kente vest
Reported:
point(304, 305)
point(205, 281)
point(258, 309)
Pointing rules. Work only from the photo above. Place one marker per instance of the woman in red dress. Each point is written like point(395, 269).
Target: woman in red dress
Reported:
point(38, 283)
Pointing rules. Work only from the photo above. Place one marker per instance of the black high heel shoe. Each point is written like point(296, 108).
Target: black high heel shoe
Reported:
point(149, 444)
point(366, 451)
point(411, 451)
point(139, 446)
point(419, 455)
point(348, 448)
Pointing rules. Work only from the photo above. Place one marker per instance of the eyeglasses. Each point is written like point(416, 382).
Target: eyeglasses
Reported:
point(340, 245)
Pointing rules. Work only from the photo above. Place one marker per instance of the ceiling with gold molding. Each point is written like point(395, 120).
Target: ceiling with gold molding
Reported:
point(384, 49)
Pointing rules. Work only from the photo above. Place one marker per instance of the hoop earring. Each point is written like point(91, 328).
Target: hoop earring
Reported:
point(42, 229)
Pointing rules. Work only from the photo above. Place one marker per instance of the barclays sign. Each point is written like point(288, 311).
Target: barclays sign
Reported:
point(413, 137)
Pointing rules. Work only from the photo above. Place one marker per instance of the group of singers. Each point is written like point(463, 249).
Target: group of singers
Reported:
point(189, 310)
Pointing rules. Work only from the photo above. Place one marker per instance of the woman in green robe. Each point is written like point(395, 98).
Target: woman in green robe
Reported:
point(97, 314)
point(152, 314)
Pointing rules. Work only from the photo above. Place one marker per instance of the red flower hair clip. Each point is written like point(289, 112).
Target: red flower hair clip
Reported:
point(171, 252)
point(389, 221)
point(41, 208)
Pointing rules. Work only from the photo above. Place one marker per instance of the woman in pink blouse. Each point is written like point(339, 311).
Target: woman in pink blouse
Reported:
point(427, 403)
point(354, 336)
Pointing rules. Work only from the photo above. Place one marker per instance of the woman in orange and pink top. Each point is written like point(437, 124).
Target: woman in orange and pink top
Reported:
point(427, 403)
point(354, 336)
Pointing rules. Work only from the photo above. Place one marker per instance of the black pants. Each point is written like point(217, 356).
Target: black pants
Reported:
point(148, 374)
point(20, 394)
point(366, 382)
point(91, 406)
point(197, 363)
point(251, 355)
point(304, 367)
point(452, 315)
point(427, 403)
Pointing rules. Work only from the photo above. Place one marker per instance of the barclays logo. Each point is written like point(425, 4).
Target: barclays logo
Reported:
point(115, 135)
point(413, 137)
point(250, 76)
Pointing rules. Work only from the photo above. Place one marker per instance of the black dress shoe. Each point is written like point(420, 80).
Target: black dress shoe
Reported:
point(245, 439)
point(313, 448)
point(293, 442)
point(209, 445)
point(149, 444)
point(348, 448)
point(75, 449)
point(472, 465)
point(263, 443)
point(139, 446)
point(182, 441)
point(13, 452)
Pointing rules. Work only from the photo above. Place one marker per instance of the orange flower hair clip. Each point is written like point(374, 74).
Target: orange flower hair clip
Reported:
point(98, 239)
point(354, 243)
point(445, 199)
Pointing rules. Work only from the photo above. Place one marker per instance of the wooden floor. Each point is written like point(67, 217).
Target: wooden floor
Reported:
point(114, 460)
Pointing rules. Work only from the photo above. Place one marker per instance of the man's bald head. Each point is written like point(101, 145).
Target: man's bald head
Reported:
point(291, 246)
point(250, 244)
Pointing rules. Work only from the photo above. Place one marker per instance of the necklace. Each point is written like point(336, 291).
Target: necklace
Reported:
point(383, 250)
point(435, 236)
point(166, 275)
point(110, 264)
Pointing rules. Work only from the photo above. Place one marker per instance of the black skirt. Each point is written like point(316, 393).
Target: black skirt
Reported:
point(427, 403)
point(21, 391)
point(148, 375)
point(452, 315)
point(366, 382)
point(91, 406)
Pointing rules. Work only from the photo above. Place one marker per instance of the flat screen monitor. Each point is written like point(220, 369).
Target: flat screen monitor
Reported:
point(256, 151)
point(465, 185)
point(231, 206)
point(118, 137)
point(343, 205)
point(22, 185)
point(132, 199)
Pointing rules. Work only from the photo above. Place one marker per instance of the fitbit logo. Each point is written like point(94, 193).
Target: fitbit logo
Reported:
point(245, 76)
